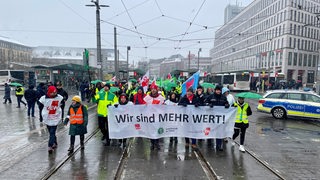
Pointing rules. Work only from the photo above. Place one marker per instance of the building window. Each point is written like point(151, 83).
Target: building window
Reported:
point(309, 60)
point(314, 62)
point(290, 59)
point(295, 55)
point(305, 60)
point(300, 60)
point(310, 77)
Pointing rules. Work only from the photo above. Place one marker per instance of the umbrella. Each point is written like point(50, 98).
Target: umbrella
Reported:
point(249, 95)
point(15, 84)
point(95, 81)
point(109, 82)
point(133, 80)
point(114, 89)
point(207, 85)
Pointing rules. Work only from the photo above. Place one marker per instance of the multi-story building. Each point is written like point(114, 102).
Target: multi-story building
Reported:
point(231, 11)
point(13, 54)
point(271, 36)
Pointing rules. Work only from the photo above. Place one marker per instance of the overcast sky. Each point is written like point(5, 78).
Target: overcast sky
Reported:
point(160, 24)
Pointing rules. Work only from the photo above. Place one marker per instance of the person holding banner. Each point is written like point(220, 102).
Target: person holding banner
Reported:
point(172, 100)
point(217, 99)
point(105, 98)
point(189, 99)
point(138, 97)
point(242, 122)
point(154, 98)
point(124, 100)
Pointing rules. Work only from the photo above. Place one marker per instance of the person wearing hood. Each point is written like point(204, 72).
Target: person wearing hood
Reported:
point(78, 118)
point(123, 100)
point(7, 94)
point(51, 114)
point(226, 93)
point(154, 98)
point(138, 97)
point(217, 99)
point(242, 122)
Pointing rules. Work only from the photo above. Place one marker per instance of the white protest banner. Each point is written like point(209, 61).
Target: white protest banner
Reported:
point(156, 121)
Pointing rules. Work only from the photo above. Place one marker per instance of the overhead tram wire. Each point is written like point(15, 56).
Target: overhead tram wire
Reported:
point(192, 22)
point(145, 22)
point(133, 22)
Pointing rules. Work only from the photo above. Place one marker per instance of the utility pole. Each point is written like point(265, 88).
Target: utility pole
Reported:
point(99, 57)
point(116, 68)
point(189, 58)
point(128, 49)
point(199, 58)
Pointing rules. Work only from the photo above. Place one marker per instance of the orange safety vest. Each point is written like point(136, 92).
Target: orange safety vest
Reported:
point(76, 118)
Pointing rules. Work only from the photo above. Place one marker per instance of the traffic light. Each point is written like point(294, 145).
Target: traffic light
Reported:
point(86, 59)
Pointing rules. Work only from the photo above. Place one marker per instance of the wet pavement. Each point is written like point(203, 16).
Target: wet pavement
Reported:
point(290, 147)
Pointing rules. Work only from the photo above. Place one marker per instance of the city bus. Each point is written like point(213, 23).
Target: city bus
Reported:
point(19, 76)
point(238, 81)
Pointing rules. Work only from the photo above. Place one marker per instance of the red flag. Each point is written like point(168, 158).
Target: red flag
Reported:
point(145, 81)
point(169, 76)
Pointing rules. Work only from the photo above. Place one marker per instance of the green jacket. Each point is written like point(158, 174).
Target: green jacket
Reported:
point(104, 99)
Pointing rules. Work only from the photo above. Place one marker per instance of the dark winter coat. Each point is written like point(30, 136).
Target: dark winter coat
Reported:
point(7, 91)
point(184, 101)
point(217, 100)
point(79, 129)
point(30, 95)
point(64, 94)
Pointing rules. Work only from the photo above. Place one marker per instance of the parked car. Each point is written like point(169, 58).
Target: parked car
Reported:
point(284, 103)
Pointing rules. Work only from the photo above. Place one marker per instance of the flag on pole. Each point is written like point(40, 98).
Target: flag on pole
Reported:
point(191, 82)
point(144, 81)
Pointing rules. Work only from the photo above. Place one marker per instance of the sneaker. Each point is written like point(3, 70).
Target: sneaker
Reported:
point(55, 146)
point(241, 148)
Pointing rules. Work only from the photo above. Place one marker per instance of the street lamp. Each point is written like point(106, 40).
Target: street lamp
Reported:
point(128, 49)
point(99, 58)
point(199, 58)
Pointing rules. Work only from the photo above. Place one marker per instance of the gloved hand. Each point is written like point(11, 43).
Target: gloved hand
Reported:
point(211, 105)
point(185, 105)
point(226, 106)
point(196, 105)
point(116, 105)
point(66, 120)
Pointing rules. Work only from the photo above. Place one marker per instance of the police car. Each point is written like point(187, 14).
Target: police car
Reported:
point(284, 103)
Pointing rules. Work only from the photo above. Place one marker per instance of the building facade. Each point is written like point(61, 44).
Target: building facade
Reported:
point(271, 36)
point(13, 54)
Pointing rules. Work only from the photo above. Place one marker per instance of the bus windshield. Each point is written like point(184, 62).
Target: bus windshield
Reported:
point(243, 77)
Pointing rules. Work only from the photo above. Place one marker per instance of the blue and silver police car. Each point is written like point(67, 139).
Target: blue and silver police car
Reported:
point(284, 103)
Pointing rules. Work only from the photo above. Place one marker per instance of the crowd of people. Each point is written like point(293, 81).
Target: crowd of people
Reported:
point(219, 96)
point(51, 101)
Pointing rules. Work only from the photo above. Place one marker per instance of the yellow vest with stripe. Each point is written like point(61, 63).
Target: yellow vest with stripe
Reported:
point(21, 92)
point(242, 113)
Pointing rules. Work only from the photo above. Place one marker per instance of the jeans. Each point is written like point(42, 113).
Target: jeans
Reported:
point(52, 135)
point(19, 99)
point(31, 105)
